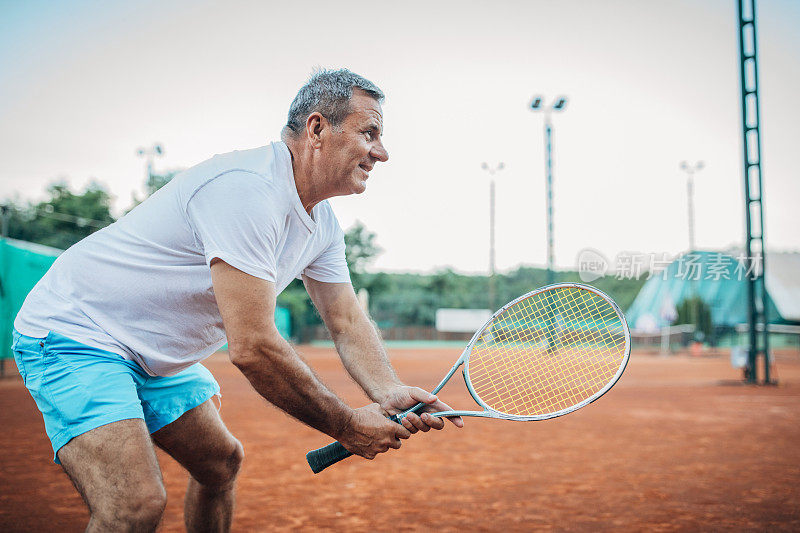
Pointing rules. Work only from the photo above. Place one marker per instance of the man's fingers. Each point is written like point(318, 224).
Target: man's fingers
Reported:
point(421, 395)
point(408, 425)
point(411, 423)
point(432, 421)
point(457, 421)
point(417, 422)
point(439, 406)
point(401, 432)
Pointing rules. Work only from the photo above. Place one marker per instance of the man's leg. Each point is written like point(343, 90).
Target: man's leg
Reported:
point(201, 443)
point(114, 468)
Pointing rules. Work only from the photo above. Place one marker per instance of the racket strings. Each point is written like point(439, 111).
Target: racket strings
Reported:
point(569, 368)
point(548, 352)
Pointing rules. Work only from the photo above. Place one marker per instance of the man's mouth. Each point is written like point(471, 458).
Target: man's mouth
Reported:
point(365, 168)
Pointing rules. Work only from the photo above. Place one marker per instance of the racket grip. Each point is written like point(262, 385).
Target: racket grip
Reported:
point(326, 456)
point(329, 455)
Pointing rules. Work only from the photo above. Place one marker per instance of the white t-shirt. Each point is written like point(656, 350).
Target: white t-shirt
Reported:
point(141, 287)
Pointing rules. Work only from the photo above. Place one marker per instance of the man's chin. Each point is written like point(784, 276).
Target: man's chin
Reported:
point(360, 187)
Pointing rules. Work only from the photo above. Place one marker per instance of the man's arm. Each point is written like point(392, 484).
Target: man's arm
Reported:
point(247, 306)
point(364, 357)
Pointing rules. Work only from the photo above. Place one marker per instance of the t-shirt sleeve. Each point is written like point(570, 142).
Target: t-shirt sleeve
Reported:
point(331, 266)
point(238, 218)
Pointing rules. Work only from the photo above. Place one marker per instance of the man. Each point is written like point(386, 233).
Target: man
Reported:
point(109, 340)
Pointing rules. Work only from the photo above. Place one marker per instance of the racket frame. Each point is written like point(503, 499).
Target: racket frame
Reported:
point(493, 413)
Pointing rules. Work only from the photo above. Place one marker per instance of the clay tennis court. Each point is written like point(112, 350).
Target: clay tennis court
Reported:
point(677, 445)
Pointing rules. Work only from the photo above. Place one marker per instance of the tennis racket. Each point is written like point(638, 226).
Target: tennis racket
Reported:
point(543, 355)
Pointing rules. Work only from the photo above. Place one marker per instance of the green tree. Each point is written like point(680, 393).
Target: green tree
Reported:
point(695, 311)
point(360, 251)
point(154, 182)
point(63, 219)
point(301, 310)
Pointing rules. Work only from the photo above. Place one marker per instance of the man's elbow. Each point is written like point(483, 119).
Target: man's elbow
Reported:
point(347, 324)
point(249, 352)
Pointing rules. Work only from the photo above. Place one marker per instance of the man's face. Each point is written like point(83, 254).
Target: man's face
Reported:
point(355, 146)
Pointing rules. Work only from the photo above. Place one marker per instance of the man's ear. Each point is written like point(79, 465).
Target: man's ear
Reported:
point(316, 124)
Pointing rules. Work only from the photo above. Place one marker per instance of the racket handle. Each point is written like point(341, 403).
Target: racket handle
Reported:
point(326, 456)
point(322, 458)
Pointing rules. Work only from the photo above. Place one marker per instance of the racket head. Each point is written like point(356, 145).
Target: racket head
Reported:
point(547, 353)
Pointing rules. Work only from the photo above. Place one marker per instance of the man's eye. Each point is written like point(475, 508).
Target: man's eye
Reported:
point(368, 134)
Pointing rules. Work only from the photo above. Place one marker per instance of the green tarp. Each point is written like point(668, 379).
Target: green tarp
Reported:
point(22, 264)
point(718, 278)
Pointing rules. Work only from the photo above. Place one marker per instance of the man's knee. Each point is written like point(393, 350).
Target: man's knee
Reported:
point(138, 511)
point(220, 471)
point(148, 507)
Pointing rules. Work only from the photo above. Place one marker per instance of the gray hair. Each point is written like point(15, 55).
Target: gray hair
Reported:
point(328, 92)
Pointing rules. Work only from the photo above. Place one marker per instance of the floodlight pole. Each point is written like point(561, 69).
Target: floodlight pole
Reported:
point(557, 105)
point(492, 171)
point(690, 171)
point(548, 138)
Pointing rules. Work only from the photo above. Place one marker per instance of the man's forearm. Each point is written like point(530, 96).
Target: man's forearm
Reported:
point(279, 375)
point(365, 358)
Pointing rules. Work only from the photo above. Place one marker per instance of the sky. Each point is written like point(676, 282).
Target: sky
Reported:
point(649, 84)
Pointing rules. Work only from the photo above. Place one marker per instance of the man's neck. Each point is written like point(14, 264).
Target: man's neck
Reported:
point(304, 180)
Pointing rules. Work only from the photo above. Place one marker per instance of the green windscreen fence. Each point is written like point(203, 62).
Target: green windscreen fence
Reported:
point(22, 264)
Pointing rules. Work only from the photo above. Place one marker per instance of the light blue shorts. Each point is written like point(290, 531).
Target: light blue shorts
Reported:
point(78, 388)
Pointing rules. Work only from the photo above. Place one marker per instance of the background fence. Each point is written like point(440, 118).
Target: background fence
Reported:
point(22, 264)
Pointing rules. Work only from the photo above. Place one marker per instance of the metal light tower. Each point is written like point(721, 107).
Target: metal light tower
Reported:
point(557, 105)
point(690, 170)
point(755, 251)
point(150, 154)
point(492, 171)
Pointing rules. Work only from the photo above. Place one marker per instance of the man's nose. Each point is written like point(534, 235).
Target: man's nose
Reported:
point(379, 152)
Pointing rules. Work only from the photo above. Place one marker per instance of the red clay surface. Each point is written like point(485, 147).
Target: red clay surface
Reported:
point(677, 445)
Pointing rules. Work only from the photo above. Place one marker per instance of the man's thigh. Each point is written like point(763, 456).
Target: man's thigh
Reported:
point(113, 466)
point(201, 443)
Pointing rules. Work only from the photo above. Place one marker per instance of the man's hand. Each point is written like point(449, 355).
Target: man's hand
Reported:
point(365, 358)
point(403, 397)
point(369, 432)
